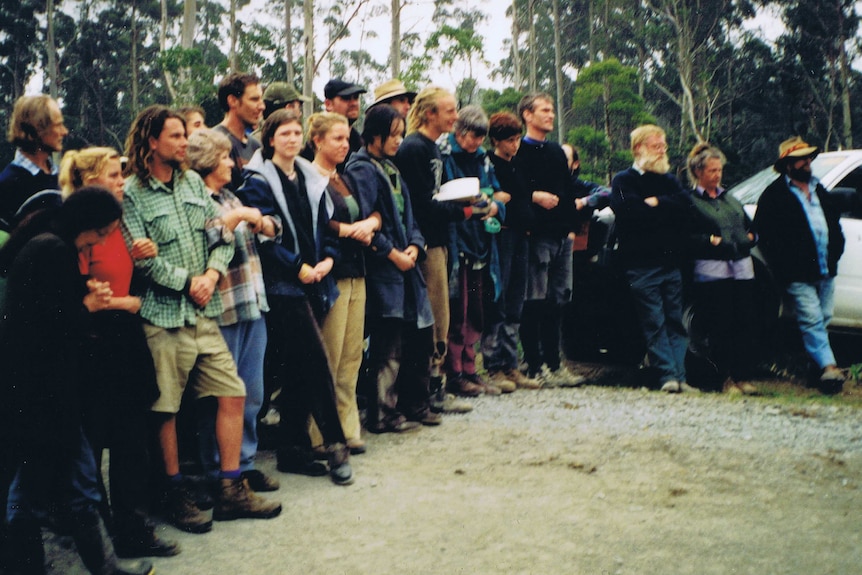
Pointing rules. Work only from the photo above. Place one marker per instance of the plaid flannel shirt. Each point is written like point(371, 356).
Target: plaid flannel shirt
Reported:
point(243, 295)
point(175, 218)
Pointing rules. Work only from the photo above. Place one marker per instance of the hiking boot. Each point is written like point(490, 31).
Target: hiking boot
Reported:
point(560, 377)
point(356, 446)
point(487, 388)
point(686, 388)
point(299, 461)
point(522, 380)
point(501, 380)
point(460, 385)
point(259, 481)
point(136, 537)
point(444, 402)
point(237, 501)
point(428, 418)
point(182, 512)
point(339, 464)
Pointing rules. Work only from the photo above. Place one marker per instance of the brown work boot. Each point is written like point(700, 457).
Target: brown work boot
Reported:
point(501, 380)
point(182, 512)
point(522, 380)
point(460, 385)
point(237, 500)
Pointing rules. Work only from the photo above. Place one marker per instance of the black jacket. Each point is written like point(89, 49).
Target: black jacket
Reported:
point(785, 235)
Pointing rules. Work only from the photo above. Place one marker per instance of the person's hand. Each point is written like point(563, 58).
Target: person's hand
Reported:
point(203, 287)
point(504, 197)
point(306, 274)
point(493, 211)
point(546, 200)
point(322, 269)
point(98, 296)
point(362, 231)
point(715, 240)
point(144, 248)
point(253, 217)
point(412, 252)
point(402, 260)
point(580, 203)
point(651, 201)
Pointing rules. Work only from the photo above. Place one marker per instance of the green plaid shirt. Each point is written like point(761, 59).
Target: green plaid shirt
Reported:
point(175, 218)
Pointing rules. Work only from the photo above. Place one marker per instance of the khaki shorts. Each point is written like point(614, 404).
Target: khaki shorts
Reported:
point(196, 352)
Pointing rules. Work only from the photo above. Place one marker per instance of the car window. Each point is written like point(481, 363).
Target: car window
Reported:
point(849, 189)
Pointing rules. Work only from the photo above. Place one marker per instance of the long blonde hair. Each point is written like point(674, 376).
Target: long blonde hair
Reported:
point(426, 101)
point(78, 167)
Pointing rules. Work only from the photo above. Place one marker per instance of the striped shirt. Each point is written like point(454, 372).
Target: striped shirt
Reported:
point(175, 217)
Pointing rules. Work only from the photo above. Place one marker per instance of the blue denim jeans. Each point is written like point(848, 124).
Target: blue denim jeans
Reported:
point(247, 343)
point(813, 304)
point(658, 299)
point(46, 478)
point(500, 336)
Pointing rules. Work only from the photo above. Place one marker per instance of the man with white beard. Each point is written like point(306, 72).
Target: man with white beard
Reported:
point(651, 207)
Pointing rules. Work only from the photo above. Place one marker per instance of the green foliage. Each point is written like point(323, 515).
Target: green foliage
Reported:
point(606, 106)
point(507, 100)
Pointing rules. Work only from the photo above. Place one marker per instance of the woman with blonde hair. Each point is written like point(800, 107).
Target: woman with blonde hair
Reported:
point(121, 383)
point(344, 325)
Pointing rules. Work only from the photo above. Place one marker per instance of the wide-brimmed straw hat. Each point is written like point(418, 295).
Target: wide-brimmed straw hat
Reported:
point(793, 149)
point(391, 89)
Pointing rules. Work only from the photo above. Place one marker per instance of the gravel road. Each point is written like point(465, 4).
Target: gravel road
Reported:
point(594, 480)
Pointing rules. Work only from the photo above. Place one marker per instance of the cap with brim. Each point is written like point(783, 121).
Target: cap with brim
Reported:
point(389, 90)
point(338, 87)
point(281, 93)
point(793, 149)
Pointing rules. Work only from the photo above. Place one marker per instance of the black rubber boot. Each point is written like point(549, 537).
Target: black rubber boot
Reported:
point(24, 550)
point(97, 551)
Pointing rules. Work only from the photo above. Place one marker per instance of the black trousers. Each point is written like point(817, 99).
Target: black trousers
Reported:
point(726, 310)
point(398, 364)
point(296, 363)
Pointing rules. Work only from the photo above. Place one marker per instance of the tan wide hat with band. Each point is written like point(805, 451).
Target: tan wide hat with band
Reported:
point(391, 89)
point(793, 149)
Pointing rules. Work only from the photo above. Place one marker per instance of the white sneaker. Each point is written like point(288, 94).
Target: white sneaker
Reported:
point(671, 386)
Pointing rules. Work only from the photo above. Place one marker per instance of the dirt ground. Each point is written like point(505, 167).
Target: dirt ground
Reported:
point(570, 491)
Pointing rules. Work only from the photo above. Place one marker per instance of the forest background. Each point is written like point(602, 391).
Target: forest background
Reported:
point(696, 67)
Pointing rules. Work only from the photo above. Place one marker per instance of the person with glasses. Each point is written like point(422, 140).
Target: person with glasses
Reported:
point(651, 207)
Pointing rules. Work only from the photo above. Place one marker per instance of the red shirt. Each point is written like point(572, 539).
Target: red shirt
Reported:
point(110, 262)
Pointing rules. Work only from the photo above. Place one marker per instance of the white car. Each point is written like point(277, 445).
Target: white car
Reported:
point(840, 173)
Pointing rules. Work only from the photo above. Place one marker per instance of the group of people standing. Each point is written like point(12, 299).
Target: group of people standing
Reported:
point(251, 262)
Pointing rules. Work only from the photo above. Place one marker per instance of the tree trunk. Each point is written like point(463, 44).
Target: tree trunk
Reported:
point(308, 67)
point(163, 45)
point(133, 57)
point(844, 75)
point(53, 72)
point(288, 41)
point(558, 74)
point(232, 55)
point(534, 53)
point(395, 42)
point(518, 77)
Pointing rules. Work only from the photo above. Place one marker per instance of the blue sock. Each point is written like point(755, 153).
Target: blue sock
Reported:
point(233, 474)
